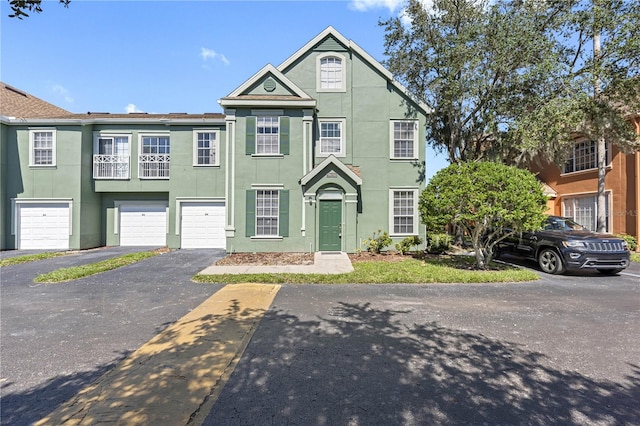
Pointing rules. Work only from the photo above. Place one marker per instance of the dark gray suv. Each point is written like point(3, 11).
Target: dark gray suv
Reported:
point(566, 245)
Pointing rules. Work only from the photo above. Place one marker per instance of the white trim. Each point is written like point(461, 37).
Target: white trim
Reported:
point(268, 103)
point(331, 159)
point(343, 70)
point(608, 159)
point(53, 132)
point(416, 138)
point(15, 202)
point(267, 186)
point(215, 147)
point(358, 50)
point(343, 127)
point(416, 192)
point(152, 134)
point(276, 74)
point(592, 194)
point(180, 200)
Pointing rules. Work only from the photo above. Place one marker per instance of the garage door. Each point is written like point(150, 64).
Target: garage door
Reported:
point(143, 225)
point(43, 226)
point(203, 225)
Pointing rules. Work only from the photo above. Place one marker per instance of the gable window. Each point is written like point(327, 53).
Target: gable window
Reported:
point(111, 157)
point(584, 210)
point(584, 156)
point(404, 211)
point(154, 157)
point(267, 135)
point(42, 147)
point(404, 139)
point(206, 149)
point(331, 73)
point(331, 137)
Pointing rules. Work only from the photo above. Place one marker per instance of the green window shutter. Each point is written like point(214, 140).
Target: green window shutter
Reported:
point(284, 213)
point(284, 135)
point(250, 216)
point(250, 135)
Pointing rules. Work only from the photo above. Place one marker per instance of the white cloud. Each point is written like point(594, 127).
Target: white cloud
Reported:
point(62, 91)
point(132, 108)
point(207, 54)
point(364, 5)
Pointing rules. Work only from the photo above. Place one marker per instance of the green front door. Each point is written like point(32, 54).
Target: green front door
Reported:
point(330, 225)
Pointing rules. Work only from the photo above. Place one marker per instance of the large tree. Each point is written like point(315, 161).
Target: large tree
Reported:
point(19, 8)
point(488, 201)
point(478, 64)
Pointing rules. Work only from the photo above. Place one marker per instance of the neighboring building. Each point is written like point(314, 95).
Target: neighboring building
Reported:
point(575, 187)
point(315, 154)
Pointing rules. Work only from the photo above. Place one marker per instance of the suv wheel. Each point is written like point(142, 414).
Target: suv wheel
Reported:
point(550, 261)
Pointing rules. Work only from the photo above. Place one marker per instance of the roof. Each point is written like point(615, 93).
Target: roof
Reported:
point(352, 173)
point(18, 104)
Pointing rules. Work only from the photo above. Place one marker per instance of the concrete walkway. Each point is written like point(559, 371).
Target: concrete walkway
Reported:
point(323, 263)
point(175, 377)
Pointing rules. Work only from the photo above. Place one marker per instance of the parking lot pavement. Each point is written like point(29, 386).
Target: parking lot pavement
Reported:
point(58, 338)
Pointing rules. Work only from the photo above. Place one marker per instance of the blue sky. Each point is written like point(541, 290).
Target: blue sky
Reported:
point(170, 56)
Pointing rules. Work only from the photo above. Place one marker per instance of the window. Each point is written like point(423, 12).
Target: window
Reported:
point(111, 157)
point(404, 139)
point(267, 207)
point(154, 157)
point(331, 74)
point(584, 157)
point(583, 209)
point(331, 137)
point(403, 212)
point(42, 147)
point(267, 135)
point(206, 149)
point(267, 213)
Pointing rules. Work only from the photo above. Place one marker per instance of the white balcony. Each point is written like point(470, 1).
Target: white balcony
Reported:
point(153, 166)
point(110, 166)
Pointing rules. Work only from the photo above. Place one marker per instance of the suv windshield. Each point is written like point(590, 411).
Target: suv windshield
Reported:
point(562, 224)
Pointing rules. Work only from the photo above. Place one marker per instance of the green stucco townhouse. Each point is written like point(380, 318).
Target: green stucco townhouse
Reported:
point(315, 154)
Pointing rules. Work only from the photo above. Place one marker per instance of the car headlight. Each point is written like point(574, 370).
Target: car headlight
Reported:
point(574, 244)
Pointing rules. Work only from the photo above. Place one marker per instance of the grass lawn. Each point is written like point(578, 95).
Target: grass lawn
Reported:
point(76, 272)
point(454, 269)
point(31, 258)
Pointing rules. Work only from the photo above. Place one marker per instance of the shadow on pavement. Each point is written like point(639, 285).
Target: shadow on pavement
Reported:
point(362, 366)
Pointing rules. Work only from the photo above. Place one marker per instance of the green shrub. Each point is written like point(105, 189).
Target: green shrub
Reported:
point(378, 241)
point(631, 241)
point(405, 245)
point(438, 243)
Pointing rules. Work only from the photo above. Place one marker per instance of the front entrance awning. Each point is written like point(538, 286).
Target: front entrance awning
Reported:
point(324, 170)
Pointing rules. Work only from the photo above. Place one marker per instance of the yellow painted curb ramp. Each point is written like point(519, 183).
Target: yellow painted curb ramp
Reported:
point(167, 380)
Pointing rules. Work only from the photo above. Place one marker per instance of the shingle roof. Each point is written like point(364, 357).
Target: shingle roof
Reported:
point(18, 104)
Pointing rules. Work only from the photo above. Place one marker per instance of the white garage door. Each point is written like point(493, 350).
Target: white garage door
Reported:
point(43, 226)
point(203, 225)
point(143, 225)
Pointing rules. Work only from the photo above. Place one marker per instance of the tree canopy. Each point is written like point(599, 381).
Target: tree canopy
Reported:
point(513, 80)
point(19, 8)
point(488, 201)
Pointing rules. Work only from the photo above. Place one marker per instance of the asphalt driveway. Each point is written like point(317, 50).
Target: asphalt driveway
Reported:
point(57, 338)
point(561, 350)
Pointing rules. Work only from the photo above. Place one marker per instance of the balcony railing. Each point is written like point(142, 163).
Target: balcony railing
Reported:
point(110, 166)
point(153, 166)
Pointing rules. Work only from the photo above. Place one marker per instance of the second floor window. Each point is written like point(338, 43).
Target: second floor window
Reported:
point(404, 135)
point(331, 137)
point(111, 157)
point(584, 156)
point(267, 135)
point(154, 157)
point(206, 149)
point(43, 147)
